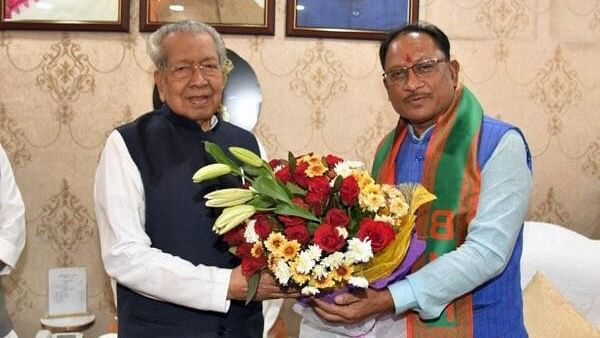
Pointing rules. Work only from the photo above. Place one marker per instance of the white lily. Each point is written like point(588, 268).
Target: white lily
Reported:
point(246, 156)
point(232, 217)
point(228, 197)
point(210, 171)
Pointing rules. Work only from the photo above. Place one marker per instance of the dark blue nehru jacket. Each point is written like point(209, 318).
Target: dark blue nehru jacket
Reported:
point(167, 150)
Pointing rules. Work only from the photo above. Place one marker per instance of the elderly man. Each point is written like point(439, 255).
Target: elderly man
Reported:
point(467, 283)
point(12, 233)
point(175, 276)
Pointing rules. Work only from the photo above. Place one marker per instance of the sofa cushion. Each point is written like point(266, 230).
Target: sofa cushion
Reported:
point(549, 315)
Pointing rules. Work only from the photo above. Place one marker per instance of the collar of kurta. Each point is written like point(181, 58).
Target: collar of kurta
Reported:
point(177, 119)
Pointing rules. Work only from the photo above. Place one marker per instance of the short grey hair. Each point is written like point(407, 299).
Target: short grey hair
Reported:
point(154, 43)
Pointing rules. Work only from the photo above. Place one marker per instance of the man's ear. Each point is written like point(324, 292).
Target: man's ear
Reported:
point(454, 70)
point(160, 84)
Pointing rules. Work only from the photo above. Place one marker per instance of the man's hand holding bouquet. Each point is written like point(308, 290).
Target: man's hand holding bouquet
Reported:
point(319, 223)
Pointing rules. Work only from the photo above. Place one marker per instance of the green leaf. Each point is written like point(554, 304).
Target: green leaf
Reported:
point(217, 153)
point(292, 161)
point(261, 202)
point(295, 189)
point(266, 185)
point(294, 210)
point(254, 171)
point(337, 184)
point(284, 187)
point(355, 218)
point(267, 167)
point(335, 202)
point(252, 287)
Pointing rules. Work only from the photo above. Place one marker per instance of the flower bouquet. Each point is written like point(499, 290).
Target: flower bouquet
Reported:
point(319, 223)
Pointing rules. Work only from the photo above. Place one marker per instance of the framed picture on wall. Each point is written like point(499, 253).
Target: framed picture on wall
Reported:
point(227, 16)
point(72, 15)
point(348, 19)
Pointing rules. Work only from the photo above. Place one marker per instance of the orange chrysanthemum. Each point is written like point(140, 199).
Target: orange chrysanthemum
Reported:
point(342, 272)
point(289, 250)
point(275, 241)
point(317, 169)
point(257, 250)
point(324, 282)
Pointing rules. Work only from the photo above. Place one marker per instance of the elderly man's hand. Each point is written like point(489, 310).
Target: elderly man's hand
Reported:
point(268, 288)
point(354, 307)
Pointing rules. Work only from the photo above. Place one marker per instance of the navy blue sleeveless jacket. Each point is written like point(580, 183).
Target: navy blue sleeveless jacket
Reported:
point(168, 149)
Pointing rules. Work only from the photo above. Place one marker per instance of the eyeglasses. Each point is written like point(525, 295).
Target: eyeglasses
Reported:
point(399, 76)
point(185, 70)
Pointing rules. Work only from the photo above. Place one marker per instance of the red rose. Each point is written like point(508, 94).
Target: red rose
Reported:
point(380, 233)
point(298, 232)
point(251, 265)
point(349, 191)
point(328, 238)
point(235, 236)
point(289, 221)
point(332, 160)
point(284, 174)
point(319, 185)
point(300, 176)
point(243, 249)
point(337, 217)
point(313, 198)
point(318, 193)
point(263, 225)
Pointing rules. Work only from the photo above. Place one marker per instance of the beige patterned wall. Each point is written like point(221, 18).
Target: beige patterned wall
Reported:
point(532, 63)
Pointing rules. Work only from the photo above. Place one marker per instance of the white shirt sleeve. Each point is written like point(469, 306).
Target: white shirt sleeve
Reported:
point(505, 188)
point(12, 217)
point(127, 250)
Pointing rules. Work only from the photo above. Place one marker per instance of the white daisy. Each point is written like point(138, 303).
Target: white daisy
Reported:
point(309, 291)
point(314, 252)
point(283, 272)
point(359, 251)
point(359, 282)
point(304, 262)
point(342, 169)
point(250, 234)
point(333, 261)
point(319, 271)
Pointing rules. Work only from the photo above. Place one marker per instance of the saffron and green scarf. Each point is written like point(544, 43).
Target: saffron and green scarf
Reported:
point(452, 173)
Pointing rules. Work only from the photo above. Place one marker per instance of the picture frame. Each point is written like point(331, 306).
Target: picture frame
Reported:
point(80, 15)
point(255, 17)
point(347, 20)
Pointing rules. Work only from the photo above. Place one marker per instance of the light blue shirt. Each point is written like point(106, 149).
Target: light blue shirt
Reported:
point(506, 183)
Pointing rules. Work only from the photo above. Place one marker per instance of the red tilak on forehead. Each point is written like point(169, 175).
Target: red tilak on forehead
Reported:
point(407, 58)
